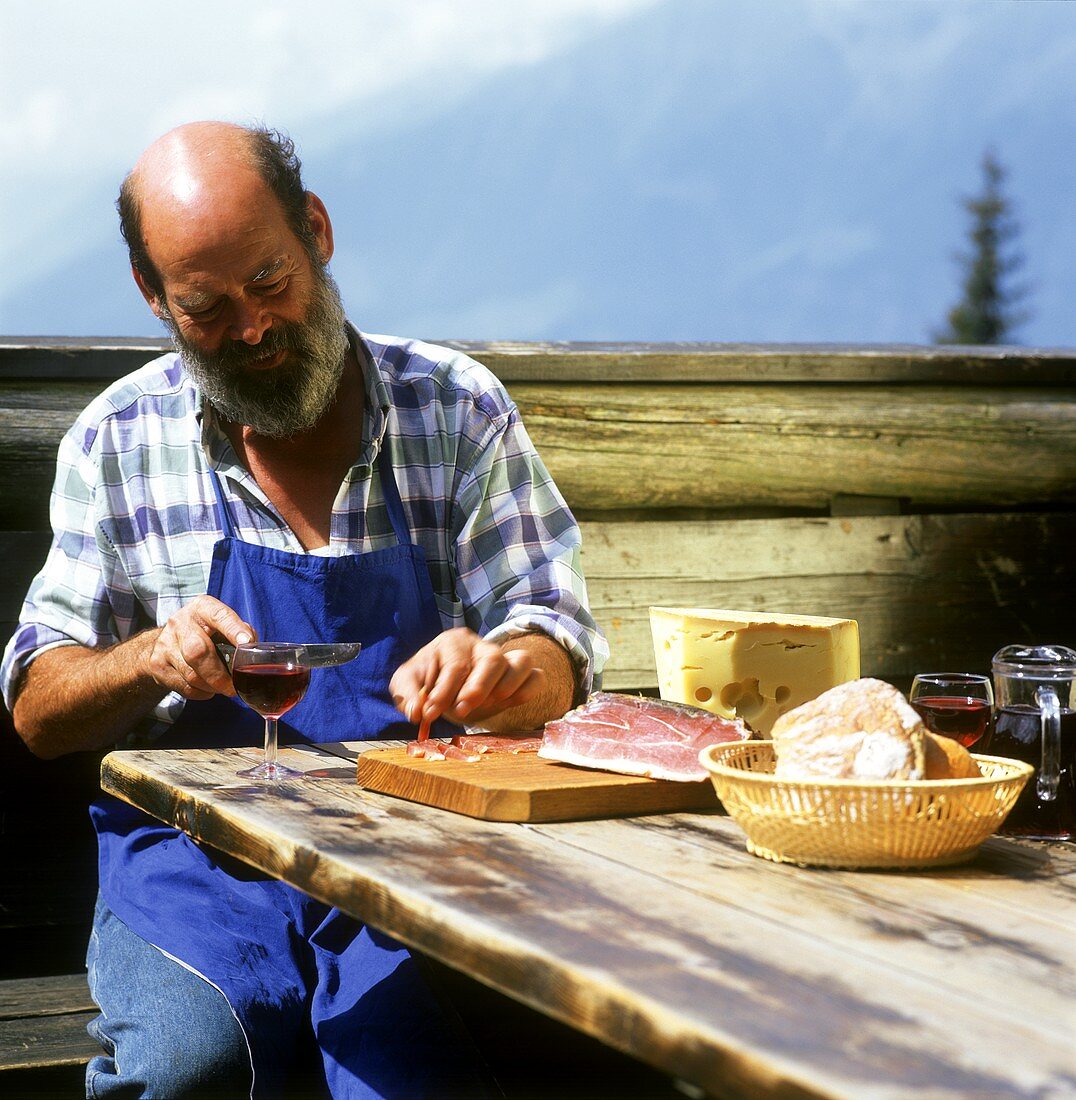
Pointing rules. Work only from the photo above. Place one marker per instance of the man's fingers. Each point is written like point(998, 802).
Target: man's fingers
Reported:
point(494, 679)
point(184, 657)
point(528, 690)
point(194, 684)
point(428, 685)
point(451, 675)
point(215, 617)
point(408, 686)
point(461, 676)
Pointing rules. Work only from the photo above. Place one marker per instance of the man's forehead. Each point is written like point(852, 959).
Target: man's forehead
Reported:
point(221, 192)
point(193, 222)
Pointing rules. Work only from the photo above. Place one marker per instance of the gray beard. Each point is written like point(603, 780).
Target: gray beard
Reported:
point(286, 400)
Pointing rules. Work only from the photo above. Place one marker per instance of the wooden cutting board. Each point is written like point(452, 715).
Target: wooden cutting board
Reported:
point(524, 787)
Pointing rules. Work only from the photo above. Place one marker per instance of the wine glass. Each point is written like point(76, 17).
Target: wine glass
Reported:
point(270, 678)
point(954, 704)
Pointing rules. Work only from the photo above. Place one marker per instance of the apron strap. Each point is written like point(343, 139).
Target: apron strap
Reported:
point(224, 515)
point(385, 465)
point(391, 492)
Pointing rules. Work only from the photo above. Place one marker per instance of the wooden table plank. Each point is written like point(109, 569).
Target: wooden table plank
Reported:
point(959, 942)
point(729, 988)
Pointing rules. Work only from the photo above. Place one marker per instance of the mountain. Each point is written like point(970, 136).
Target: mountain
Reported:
point(768, 172)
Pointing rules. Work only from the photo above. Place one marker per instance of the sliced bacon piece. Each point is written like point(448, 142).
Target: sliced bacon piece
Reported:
point(427, 749)
point(638, 736)
point(433, 749)
point(498, 742)
point(454, 751)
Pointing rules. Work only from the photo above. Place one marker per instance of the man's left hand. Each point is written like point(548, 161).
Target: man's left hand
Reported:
point(466, 679)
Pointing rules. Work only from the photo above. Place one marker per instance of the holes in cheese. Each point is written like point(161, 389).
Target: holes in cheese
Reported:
point(748, 665)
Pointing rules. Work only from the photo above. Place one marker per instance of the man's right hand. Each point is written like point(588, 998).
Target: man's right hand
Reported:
point(72, 698)
point(184, 657)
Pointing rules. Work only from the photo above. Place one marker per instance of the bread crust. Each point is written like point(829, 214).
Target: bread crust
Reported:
point(948, 759)
point(863, 729)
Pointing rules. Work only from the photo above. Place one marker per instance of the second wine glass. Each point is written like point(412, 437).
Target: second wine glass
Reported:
point(954, 704)
point(270, 677)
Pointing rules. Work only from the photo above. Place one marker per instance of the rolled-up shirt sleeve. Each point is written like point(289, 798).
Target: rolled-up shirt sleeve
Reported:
point(517, 548)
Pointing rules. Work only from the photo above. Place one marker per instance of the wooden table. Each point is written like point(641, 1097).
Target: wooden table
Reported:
point(664, 938)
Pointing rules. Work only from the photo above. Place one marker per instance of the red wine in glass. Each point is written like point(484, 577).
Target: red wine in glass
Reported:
point(963, 719)
point(270, 677)
point(271, 689)
point(953, 704)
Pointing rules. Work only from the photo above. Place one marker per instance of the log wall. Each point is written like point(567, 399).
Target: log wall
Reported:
point(929, 493)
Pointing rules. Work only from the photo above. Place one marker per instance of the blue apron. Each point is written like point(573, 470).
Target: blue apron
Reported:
point(284, 961)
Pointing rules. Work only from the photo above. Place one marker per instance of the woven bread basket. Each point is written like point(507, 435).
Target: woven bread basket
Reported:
point(856, 823)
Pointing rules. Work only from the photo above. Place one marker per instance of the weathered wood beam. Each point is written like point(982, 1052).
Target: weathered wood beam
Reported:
point(100, 357)
point(715, 447)
point(675, 446)
point(939, 591)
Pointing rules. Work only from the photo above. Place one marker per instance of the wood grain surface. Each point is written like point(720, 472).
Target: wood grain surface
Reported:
point(43, 1023)
point(51, 995)
point(45, 1041)
point(663, 937)
point(107, 358)
point(939, 591)
point(711, 446)
point(524, 787)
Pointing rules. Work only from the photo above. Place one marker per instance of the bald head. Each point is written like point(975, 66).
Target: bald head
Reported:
point(182, 163)
point(200, 170)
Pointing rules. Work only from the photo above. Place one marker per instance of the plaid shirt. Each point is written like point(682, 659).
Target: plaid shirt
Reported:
point(134, 518)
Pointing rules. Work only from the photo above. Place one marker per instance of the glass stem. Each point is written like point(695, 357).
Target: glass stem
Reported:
point(270, 740)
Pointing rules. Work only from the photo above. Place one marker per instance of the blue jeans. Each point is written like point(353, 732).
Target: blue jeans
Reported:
point(166, 1031)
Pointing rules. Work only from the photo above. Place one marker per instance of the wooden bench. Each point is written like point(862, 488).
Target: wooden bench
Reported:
point(43, 1039)
point(929, 493)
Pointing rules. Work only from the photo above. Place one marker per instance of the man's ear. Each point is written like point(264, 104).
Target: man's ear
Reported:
point(321, 225)
point(153, 299)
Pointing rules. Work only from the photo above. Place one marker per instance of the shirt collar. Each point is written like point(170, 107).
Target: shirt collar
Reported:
point(378, 403)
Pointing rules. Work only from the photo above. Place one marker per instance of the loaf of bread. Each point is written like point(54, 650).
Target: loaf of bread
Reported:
point(948, 759)
point(864, 729)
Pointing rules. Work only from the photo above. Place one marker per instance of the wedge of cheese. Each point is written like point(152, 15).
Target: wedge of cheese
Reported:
point(754, 666)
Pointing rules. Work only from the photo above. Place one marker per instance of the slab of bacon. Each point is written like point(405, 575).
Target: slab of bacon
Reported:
point(638, 736)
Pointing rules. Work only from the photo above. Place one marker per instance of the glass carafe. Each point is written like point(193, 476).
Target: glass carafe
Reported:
point(1035, 721)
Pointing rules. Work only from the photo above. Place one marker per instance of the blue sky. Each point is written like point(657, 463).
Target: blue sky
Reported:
point(743, 170)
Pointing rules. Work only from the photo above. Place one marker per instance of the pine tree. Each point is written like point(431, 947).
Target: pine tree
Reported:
point(986, 314)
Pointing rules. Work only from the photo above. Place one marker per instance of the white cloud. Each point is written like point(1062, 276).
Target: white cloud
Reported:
point(84, 87)
point(82, 82)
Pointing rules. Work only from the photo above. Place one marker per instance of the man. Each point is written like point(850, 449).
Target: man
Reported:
point(281, 477)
